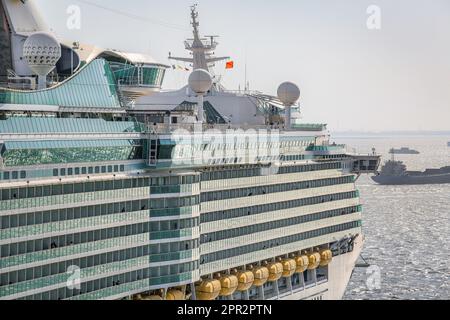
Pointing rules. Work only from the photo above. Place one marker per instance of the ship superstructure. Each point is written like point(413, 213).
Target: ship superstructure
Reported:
point(113, 189)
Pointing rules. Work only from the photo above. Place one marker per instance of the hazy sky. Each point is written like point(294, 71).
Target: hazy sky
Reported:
point(353, 78)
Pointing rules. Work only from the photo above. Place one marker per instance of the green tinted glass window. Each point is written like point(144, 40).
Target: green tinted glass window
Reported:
point(93, 86)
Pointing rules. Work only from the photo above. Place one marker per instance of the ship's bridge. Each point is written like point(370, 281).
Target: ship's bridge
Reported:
point(352, 161)
point(360, 163)
point(136, 74)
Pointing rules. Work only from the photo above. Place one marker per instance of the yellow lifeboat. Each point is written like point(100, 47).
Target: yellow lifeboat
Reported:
point(275, 271)
point(302, 263)
point(325, 257)
point(208, 289)
point(314, 260)
point(261, 275)
point(175, 295)
point(229, 284)
point(245, 280)
point(289, 267)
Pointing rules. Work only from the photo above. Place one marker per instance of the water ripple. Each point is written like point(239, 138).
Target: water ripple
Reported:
point(407, 231)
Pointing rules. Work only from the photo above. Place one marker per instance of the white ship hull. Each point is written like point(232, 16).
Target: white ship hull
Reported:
point(339, 273)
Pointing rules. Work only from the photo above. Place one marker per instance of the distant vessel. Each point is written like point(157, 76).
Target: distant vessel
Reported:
point(403, 150)
point(448, 144)
point(395, 173)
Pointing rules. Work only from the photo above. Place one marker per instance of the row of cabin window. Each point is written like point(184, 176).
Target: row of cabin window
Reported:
point(14, 175)
point(310, 167)
point(96, 260)
point(253, 172)
point(60, 215)
point(225, 254)
point(87, 170)
point(276, 224)
point(276, 206)
point(153, 274)
point(94, 186)
point(13, 249)
point(275, 188)
point(174, 202)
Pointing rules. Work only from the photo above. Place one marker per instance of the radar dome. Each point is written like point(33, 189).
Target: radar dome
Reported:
point(200, 81)
point(42, 51)
point(288, 93)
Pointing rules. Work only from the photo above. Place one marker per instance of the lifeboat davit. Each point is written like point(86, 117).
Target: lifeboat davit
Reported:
point(245, 280)
point(275, 271)
point(208, 289)
point(302, 263)
point(261, 275)
point(325, 257)
point(314, 260)
point(228, 284)
point(289, 266)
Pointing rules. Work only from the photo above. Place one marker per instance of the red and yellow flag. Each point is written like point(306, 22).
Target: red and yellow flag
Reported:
point(229, 65)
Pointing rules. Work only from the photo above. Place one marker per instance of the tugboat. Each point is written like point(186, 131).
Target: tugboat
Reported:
point(403, 150)
point(395, 173)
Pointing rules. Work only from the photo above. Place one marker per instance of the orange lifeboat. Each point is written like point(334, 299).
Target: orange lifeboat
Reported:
point(275, 271)
point(289, 266)
point(175, 294)
point(314, 260)
point(229, 284)
point(208, 289)
point(325, 257)
point(261, 275)
point(302, 263)
point(245, 280)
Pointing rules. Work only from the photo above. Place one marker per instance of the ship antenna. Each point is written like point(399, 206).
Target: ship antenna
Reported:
point(194, 22)
point(392, 155)
point(245, 80)
point(202, 52)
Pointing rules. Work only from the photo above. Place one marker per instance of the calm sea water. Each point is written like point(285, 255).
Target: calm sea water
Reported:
point(407, 228)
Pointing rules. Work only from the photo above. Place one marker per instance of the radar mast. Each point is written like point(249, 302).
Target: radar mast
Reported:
point(202, 49)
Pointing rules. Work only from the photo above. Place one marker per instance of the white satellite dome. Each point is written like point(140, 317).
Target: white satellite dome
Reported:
point(42, 51)
point(288, 93)
point(200, 81)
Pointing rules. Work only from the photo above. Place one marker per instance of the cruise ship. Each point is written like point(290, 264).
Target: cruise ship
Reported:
point(113, 188)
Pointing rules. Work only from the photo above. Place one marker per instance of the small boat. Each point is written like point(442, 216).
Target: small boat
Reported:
point(403, 150)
